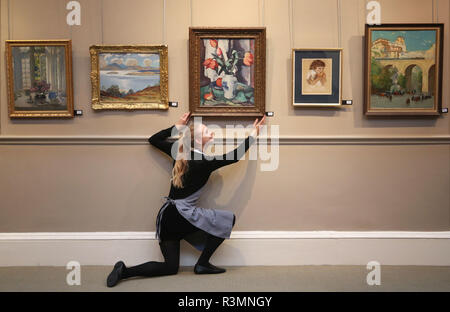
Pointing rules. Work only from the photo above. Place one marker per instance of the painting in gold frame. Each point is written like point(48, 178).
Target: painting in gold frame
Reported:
point(129, 77)
point(227, 68)
point(403, 70)
point(39, 75)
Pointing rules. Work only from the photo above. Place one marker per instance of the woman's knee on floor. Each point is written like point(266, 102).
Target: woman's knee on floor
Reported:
point(171, 253)
point(172, 267)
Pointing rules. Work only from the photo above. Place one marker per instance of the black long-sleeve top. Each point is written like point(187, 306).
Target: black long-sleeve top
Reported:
point(198, 170)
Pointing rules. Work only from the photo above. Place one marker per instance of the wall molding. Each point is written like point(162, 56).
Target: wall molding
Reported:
point(141, 235)
point(245, 248)
point(282, 140)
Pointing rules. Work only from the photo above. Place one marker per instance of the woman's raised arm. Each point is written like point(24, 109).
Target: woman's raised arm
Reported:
point(236, 154)
point(159, 139)
point(231, 157)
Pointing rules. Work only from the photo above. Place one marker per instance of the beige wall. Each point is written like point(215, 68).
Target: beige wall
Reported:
point(117, 187)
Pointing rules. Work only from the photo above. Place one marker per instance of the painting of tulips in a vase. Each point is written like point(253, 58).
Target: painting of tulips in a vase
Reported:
point(39, 78)
point(227, 72)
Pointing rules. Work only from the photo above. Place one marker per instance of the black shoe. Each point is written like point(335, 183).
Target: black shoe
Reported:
point(207, 269)
point(116, 275)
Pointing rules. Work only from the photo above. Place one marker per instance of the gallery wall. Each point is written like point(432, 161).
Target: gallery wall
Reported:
point(338, 170)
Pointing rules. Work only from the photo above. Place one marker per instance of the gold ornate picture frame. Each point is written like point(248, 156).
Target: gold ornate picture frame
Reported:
point(227, 71)
point(129, 77)
point(39, 75)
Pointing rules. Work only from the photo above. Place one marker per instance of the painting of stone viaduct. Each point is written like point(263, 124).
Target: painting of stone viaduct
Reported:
point(403, 68)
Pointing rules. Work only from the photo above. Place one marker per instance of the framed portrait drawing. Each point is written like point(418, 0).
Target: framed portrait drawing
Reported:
point(39, 75)
point(227, 68)
point(317, 77)
point(129, 77)
point(403, 69)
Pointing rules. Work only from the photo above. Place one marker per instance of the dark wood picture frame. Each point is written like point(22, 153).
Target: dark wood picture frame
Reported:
point(254, 95)
point(395, 56)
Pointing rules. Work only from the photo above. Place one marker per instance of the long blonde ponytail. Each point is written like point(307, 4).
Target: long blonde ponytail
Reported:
point(181, 164)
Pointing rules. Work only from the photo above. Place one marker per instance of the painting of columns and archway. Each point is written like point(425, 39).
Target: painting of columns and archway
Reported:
point(403, 69)
point(39, 78)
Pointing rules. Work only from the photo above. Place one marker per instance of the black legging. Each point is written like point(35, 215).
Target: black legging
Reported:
point(171, 252)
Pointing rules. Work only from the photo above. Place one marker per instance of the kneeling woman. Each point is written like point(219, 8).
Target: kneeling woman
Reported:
point(179, 217)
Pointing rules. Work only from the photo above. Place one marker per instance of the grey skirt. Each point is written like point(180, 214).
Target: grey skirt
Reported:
point(216, 222)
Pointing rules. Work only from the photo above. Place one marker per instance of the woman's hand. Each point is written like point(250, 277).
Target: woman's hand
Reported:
point(257, 125)
point(183, 120)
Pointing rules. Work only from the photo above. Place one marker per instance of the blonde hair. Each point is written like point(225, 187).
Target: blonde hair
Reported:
point(181, 163)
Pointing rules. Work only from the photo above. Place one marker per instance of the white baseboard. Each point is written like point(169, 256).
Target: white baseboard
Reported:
point(245, 248)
